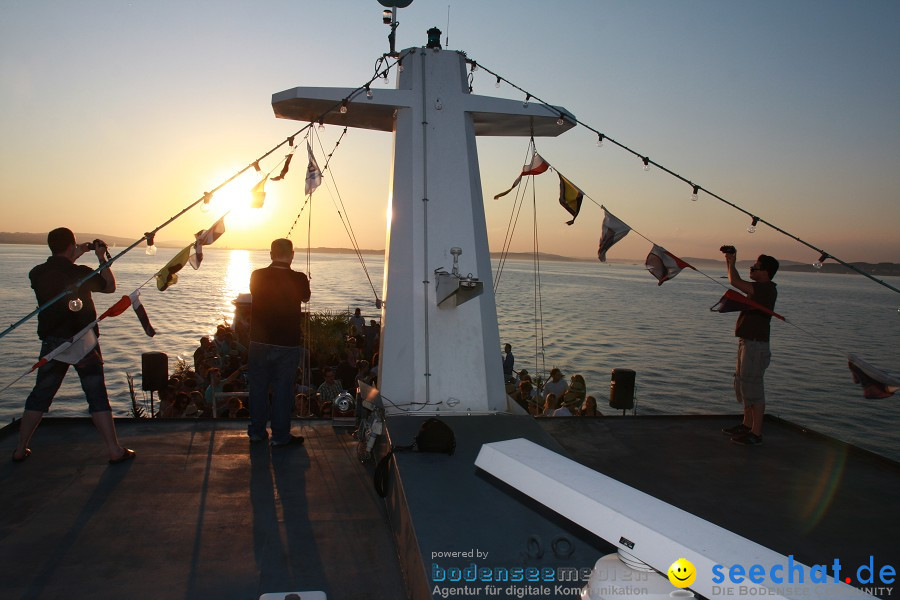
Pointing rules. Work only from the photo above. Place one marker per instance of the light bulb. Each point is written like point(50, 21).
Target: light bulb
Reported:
point(817, 264)
point(600, 140)
point(321, 125)
point(694, 197)
point(386, 80)
point(560, 121)
point(753, 222)
point(497, 85)
point(751, 229)
point(400, 68)
point(646, 163)
point(822, 259)
point(204, 207)
point(369, 93)
point(344, 107)
point(527, 98)
point(151, 250)
point(75, 304)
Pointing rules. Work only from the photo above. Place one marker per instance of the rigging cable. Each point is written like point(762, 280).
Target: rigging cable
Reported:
point(538, 299)
point(513, 219)
point(696, 187)
point(344, 215)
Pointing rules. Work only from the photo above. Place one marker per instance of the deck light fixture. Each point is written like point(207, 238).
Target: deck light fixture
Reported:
point(694, 196)
point(753, 223)
point(646, 163)
point(600, 137)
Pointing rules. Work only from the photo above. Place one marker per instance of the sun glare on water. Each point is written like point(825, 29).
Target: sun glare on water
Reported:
point(237, 277)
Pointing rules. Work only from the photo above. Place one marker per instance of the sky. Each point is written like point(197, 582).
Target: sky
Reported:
point(116, 115)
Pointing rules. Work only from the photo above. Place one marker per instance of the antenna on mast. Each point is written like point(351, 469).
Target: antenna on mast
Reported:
point(389, 17)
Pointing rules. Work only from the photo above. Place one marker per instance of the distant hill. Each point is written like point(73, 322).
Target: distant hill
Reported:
point(40, 239)
point(876, 269)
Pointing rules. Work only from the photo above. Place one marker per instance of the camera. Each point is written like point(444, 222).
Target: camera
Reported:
point(728, 249)
point(95, 244)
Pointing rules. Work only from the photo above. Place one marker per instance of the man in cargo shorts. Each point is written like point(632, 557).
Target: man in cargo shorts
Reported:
point(58, 323)
point(752, 329)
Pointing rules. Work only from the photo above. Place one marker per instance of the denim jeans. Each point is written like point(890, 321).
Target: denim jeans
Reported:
point(272, 369)
point(50, 377)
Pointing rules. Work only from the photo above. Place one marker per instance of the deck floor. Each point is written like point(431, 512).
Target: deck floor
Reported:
point(200, 513)
point(799, 493)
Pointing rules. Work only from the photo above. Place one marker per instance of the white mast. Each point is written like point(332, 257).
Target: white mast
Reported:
point(440, 342)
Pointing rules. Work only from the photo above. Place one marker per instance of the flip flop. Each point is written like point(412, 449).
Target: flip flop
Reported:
point(126, 456)
point(22, 458)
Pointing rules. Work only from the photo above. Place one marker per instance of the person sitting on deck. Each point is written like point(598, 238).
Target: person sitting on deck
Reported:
point(217, 385)
point(576, 391)
point(328, 391)
point(551, 403)
point(524, 397)
point(589, 408)
point(556, 384)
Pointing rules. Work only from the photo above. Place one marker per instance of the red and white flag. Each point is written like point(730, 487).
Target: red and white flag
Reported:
point(876, 383)
point(537, 166)
point(664, 265)
point(613, 231)
point(733, 301)
point(205, 238)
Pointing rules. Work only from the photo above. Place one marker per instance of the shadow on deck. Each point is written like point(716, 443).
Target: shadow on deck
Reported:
point(200, 513)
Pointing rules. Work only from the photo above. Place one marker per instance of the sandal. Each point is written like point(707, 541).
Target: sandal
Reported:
point(127, 455)
point(22, 458)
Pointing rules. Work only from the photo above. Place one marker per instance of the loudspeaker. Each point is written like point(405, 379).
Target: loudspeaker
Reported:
point(621, 389)
point(155, 368)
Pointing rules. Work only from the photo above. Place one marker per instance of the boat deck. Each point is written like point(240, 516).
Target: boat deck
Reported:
point(800, 493)
point(200, 513)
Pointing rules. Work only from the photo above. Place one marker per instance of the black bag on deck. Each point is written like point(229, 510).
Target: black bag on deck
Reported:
point(434, 436)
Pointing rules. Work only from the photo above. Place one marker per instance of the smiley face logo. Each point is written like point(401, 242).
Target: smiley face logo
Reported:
point(682, 573)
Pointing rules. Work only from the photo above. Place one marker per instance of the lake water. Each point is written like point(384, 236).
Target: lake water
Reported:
point(596, 317)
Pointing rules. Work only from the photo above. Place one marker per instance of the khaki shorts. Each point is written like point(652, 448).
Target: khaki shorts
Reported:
point(752, 359)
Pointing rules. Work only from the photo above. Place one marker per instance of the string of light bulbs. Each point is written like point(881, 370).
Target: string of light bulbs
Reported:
point(696, 188)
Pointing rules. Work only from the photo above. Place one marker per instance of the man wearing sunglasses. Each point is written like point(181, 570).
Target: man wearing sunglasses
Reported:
point(752, 331)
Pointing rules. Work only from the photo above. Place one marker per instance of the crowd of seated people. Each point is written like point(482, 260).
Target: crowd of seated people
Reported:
point(553, 398)
point(220, 369)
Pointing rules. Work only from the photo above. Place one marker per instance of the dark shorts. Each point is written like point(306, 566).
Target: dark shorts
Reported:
point(50, 377)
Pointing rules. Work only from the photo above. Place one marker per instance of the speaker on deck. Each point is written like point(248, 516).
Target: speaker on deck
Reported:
point(155, 368)
point(621, 389)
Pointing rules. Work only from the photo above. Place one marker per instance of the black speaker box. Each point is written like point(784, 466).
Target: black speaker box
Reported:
point(155, 367)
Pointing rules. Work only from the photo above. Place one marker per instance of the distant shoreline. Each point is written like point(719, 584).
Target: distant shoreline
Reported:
point(883, 269)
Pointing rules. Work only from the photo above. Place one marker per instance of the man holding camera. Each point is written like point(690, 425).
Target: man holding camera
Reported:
point(752, 330)
point(57, 324)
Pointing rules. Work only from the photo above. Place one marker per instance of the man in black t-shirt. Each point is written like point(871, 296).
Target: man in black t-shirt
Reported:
point(275, 344)
point(57, 324)
point(752, 331)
